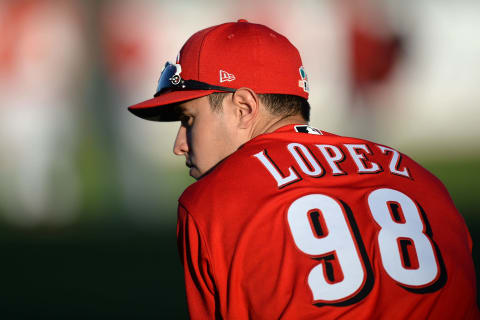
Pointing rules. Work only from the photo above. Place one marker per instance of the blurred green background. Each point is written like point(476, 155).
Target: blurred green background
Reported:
point(88, 192)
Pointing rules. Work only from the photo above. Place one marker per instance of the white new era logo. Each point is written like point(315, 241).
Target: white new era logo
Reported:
point(225, 76)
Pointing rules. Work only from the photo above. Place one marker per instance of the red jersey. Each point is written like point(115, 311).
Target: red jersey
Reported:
point(303, 224)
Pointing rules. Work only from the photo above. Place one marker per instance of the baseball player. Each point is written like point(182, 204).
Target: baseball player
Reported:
point(290, 222)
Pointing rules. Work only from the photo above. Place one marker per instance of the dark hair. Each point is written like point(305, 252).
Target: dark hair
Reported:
point(277, 104)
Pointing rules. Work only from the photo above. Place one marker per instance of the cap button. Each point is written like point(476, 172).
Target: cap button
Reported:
point(242, 20)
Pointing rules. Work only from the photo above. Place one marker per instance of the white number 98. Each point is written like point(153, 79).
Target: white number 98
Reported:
point(320, 229)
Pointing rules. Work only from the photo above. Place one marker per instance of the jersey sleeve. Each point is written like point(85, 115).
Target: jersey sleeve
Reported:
point(199, 281)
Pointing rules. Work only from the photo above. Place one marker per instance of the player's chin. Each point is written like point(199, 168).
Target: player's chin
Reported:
point(195, 173)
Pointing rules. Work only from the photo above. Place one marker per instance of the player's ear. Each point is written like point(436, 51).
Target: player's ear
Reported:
point(246, 105)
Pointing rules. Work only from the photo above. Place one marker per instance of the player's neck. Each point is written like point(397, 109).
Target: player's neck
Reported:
point(275, 123)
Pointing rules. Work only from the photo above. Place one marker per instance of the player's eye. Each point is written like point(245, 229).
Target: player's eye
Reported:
point(186, 121)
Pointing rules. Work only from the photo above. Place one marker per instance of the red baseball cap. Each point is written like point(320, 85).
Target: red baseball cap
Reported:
point(228, 56)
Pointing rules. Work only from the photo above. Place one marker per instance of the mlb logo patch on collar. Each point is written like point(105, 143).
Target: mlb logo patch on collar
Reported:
point(307, 129)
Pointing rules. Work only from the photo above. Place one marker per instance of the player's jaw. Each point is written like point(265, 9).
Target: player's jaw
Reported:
point(193, 170)
point(197, 168)
point(192, 164)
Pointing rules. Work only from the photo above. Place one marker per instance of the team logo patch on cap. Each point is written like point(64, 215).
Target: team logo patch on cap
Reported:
point(225, 76)
point(303, 82)
point(308, 129)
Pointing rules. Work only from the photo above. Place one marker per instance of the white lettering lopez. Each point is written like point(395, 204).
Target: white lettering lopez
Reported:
point(309, 164)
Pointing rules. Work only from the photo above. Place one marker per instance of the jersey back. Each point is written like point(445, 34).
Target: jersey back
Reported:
point(303, 224)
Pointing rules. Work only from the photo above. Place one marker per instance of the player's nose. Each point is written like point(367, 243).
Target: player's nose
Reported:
point(180, 147)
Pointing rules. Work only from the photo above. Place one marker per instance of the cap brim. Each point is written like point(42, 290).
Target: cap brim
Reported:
point(162, 108)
